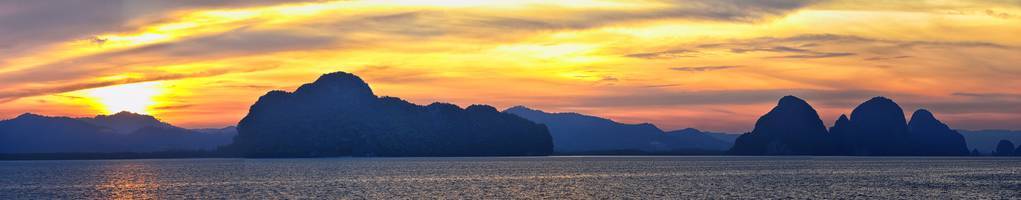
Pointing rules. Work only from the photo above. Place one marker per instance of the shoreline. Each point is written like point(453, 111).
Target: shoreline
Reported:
point(193, 155)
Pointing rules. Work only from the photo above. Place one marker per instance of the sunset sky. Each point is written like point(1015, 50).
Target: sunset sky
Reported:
point(710, 64)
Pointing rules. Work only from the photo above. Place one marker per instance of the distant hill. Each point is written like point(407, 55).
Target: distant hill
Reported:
point(230, 130)
point(576, 133)
point(152, 139)
point(122, 132)
point(31, 133)
point(877, 127)
point(338, 115)
point(691, 138)
point(125, 122)
point(985, 140)
point(729, 138)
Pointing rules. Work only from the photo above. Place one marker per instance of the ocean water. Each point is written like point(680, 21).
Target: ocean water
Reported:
point(517, 177)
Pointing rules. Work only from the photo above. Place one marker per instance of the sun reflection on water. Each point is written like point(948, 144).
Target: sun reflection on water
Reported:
point(128, 181)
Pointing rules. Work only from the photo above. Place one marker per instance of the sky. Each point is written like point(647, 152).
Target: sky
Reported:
point(709, 64)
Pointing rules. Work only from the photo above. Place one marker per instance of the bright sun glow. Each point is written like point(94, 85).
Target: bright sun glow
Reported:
point(136, 97)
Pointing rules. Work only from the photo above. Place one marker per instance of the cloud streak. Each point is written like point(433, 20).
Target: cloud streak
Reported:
point(10, 95)
point(704, 68)
point(989, 95)
point(668, 54)
point(656, 97)
point(33, 24)
point(798, 52)
point(232, 43)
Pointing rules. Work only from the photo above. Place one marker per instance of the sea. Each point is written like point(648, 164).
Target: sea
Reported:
point(555, 177)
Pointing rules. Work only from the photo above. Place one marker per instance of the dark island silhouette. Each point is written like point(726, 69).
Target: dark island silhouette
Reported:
point(1006, 148)
point(875, 128)
point(338, 115)
point(1017, 152)
point(575, 133)
point(118, 133)
point(791, 128)
point(983, 142)
point(932, 137)
point(704, 139)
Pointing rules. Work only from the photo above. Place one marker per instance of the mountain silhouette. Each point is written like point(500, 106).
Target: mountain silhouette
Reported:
point(339, 115)
point(575, 133)
point(125, 122)
point(691, 138)
point(877, 127)
point(230, 130)
point(842, 136)
point(1004, 148)
point(933, 138)
point(171, 138)
point(31, 133)
point(985, 140)
point(792, 128)
point(727, 138)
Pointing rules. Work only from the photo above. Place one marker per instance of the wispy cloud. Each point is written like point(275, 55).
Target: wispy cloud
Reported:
point(878, 58)
point(704, 68)
point(232, 43)
point(8, 95)
point(818, 55)
point(660, 97)
point(668, 54)
point(999, 14)
point(39, 23)
point(989, 95)
point(798, 52)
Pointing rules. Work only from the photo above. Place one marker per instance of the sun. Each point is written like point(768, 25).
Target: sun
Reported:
point(135, 97)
